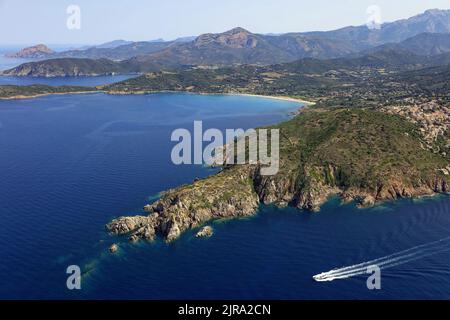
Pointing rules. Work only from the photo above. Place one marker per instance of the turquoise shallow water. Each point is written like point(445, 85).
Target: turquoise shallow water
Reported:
point(71, 163)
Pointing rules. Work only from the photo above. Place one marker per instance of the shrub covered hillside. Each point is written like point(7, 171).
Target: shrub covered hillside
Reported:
point(362, 155)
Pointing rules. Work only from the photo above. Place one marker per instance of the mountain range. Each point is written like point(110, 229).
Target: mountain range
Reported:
point(427, 34)
point(424, 44)
point(431, 21)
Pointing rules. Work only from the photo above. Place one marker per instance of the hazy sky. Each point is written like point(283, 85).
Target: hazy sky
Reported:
point(44, 21)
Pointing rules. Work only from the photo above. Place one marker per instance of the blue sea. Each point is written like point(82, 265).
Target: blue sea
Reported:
point(69, 164)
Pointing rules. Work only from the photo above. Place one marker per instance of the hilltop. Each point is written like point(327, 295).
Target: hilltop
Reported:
point(35, 52)
point(431, 21)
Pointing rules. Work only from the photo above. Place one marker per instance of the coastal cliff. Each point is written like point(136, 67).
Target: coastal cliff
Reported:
point(229, 194)
point(361, 155)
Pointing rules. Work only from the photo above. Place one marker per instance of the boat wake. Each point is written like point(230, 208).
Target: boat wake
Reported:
point(389, 261)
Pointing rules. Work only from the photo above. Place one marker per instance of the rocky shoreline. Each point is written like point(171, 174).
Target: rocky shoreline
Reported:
point(183, 209)
point(228, 194)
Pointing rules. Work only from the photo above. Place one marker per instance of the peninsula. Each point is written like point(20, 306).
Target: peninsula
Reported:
point(13, 92)
point(361, 155)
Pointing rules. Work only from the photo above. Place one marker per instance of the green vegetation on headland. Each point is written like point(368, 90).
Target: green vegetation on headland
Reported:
point(362, 155)
point(24, 92)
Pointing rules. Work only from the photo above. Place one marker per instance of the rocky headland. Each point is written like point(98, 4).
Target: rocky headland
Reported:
point(363, 156)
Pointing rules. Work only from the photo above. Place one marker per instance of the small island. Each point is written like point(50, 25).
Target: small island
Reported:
point(205, 232)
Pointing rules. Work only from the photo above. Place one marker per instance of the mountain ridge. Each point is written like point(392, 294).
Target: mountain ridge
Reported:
point(239, 46)
point(424, 44)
